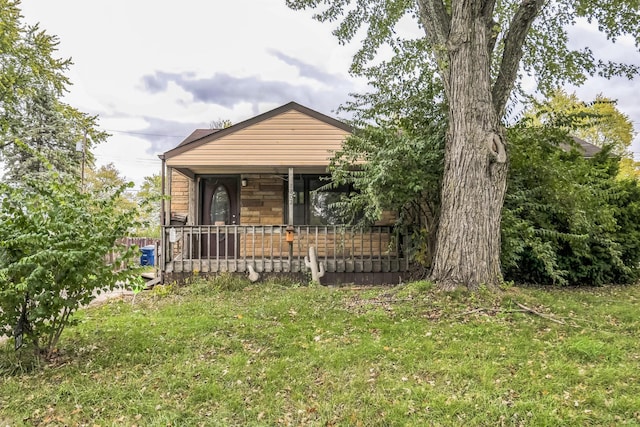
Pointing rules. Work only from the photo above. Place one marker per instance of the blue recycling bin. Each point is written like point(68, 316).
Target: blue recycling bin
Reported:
point(148, 255)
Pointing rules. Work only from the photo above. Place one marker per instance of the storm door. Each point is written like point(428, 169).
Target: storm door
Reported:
point(219, 208)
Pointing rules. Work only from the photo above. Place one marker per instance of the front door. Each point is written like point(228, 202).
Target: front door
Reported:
point(219, 207)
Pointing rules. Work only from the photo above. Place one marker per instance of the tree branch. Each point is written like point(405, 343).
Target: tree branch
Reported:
point(512, 54)
point(537, 313)
point(437, 25)
point(488, 8)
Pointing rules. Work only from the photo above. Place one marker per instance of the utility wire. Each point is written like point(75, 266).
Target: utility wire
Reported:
point(143, 133)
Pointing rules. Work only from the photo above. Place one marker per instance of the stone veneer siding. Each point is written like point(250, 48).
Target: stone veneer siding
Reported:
point(262, 200)
point(179, 193)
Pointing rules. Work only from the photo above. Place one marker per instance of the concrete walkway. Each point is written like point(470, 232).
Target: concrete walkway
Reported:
point(117, 293)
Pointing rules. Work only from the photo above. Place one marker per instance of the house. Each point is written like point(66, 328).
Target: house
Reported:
point(587, 149)
point(246, 199)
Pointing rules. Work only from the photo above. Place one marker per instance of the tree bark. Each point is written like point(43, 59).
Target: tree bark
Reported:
point(467, 250)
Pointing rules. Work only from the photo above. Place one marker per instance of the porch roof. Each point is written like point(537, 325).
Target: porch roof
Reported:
point(192, 170)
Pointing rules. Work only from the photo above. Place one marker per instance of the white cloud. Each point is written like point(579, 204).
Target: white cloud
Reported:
point(116, 43)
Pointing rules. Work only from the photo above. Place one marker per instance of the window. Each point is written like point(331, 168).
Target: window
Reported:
point(220, 206)
point(312, 206)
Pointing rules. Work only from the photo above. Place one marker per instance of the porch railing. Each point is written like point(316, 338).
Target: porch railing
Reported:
point(233, 248)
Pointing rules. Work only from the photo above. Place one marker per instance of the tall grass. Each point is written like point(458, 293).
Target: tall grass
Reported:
point(229, 352)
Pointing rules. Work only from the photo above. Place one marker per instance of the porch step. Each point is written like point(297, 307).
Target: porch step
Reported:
point(148, 275)
point(150, 284)
point(151, 280)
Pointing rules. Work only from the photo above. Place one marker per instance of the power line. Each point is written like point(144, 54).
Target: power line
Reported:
point(142, 159)
point(144, 134)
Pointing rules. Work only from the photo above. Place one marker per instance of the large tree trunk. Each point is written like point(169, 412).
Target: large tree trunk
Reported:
point(468, 242)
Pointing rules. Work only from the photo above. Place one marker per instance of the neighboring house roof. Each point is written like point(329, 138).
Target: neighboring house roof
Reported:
point(197, 134)
point(289, 136)
point(587, 149)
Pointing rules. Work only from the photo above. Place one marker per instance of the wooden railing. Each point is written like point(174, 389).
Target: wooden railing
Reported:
point(234, 247)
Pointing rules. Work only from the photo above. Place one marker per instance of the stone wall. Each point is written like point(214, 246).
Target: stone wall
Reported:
point(179, 193)
point(262, 200)
point(388, 218)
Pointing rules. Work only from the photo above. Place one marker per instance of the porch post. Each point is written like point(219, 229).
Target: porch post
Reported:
point(163, 239)
point(167, 219)
point(291, 196)
point(193, 209)
point(290, 219)
point(163, 190)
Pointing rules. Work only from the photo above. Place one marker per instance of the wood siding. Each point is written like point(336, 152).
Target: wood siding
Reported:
point(290, 138)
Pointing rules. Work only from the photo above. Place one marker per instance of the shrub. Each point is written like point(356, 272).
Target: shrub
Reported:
point(54, 239)
point(567, 220)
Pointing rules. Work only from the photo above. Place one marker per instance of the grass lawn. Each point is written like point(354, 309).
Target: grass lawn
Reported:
point(224, 354)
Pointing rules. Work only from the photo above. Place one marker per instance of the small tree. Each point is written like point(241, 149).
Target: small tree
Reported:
point(598, 122)
point(400, 160)
point(32, 83)
point(104, 181)
point(149, 197)
point(54, 240)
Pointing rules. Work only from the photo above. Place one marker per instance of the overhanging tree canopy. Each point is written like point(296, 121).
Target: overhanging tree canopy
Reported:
point(598, 122)
point(480, 50)
point(32, 83)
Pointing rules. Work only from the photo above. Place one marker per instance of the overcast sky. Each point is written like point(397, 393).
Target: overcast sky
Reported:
point(155, 70)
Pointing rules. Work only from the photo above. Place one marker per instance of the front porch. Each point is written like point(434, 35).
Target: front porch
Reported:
point(347, 254)
point(235, 191)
